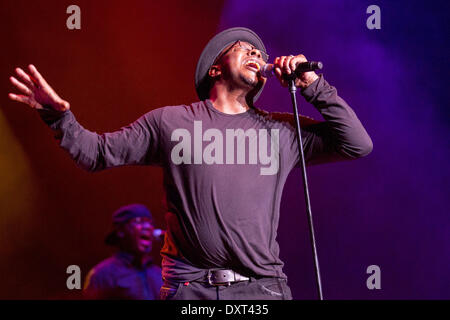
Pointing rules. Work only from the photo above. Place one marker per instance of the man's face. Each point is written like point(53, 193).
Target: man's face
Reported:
point(137, 235)
point(241, 65)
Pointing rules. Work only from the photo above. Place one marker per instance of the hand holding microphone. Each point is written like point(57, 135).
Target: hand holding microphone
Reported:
point(290, 67)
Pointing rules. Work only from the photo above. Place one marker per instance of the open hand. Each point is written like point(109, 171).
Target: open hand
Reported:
point(36, 92)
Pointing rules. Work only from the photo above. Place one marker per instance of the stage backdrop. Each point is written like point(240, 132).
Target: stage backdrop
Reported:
point(390, 209)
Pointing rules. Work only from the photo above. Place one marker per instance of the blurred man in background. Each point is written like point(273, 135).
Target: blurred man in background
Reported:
point(129, 274)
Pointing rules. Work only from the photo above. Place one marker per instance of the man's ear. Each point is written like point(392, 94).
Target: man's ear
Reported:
point(214, 71)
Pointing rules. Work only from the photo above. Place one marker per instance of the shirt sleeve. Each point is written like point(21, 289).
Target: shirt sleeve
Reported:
point(340, 137)
point(135, 144)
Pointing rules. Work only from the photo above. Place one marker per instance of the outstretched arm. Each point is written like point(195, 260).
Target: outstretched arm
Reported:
point(136, 143)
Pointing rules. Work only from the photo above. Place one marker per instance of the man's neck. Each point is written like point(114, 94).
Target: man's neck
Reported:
point(228, 101)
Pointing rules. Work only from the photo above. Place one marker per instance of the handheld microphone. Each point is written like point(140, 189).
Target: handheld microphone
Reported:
point(269, 69)
point(158, 234)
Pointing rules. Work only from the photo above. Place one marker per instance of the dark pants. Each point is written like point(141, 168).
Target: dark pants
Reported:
point(254, 289)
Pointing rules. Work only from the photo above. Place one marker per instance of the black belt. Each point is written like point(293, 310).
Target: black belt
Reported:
point(224, 277)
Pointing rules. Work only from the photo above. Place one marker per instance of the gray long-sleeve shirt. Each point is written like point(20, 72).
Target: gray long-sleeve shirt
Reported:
point(223, 173)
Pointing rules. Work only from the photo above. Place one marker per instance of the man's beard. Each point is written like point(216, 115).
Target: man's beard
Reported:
point(241, 80)
point(252, 82)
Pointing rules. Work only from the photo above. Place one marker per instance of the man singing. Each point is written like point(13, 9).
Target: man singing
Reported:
point(225, 163)
point(129, 274)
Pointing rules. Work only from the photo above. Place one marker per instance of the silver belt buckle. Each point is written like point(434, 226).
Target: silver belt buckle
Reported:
point(211, 281)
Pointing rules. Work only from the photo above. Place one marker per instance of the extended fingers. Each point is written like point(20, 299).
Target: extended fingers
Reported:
point(15, 97)
point(25, 99)
point(20, 98)
point(37, 76)
point(19, 85)
point(25, 78)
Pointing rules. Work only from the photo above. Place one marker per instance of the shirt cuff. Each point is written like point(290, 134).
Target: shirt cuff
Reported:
point(54, 118)
point(310, 92)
